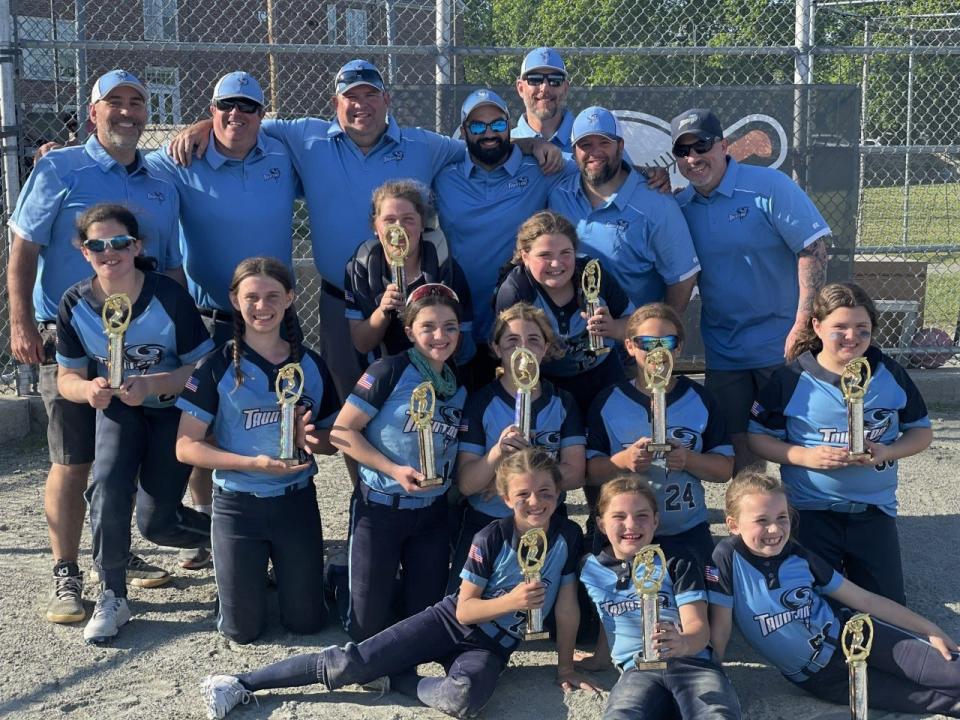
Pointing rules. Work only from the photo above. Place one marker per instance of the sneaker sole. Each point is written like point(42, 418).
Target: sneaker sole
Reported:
point(64, 619)
point(196, 565)
point(149, 582)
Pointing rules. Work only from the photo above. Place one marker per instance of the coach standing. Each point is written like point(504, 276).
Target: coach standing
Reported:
point(543, 87)
point(44, 263)
point(763, 254)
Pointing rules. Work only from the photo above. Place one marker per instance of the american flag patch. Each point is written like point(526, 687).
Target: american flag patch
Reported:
point(475, 554)
point(711, 574)
point(191, 384)
point(755, 409)
point(365, 381)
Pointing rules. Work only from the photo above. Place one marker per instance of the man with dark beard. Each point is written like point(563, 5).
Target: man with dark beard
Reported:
point(481, 201)
point(639, 234)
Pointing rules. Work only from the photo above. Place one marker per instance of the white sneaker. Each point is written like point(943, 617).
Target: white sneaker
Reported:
point(110, 614)
point(222, 693)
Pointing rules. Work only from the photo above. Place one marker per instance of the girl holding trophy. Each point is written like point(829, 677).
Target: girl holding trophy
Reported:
point(264, 500)
point(685, 683)
point(144, 334)
point(621, 425)
point(776, 591)
point(837, 419)
point(472, 633)
point(490, 431)
point(403, 408)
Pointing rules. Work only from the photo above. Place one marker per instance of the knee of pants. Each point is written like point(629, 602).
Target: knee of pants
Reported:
point(455, 696)
point(242, 626)
point(109, 507)
point(241, 636)
point(306, 623)
point(342, 666)
point(156, 523)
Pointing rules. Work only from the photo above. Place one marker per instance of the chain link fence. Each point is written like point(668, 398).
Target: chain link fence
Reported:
point(857, 100)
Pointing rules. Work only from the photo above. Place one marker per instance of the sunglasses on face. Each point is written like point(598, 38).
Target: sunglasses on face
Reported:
point(536, 79)
point(478, 128)
point(652, 342)
point(701, 146)
point(119, 242)
point(244, 106)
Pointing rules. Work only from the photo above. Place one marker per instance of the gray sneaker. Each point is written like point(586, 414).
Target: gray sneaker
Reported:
point(110, 614)
point(222, 693)
point(194, 558)
point(140, 573)
point(66, 605)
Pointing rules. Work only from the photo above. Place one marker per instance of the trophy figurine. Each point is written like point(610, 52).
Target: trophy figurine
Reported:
point(289, 390)
point(423, 400)
point(648, 573)
point(857, 648)
point(116, 314)
point(854, 381)
point(531, 554)
point(397, 248)
point(657, 368)
point(525, 373)
point(590, 283)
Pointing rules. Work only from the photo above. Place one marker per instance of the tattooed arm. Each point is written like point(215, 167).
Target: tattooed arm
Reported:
point(812, 274)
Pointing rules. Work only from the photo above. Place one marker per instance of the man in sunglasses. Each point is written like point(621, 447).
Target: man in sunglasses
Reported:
point(44, 263)
point(638, 233)
point(762, 245)
point(543, 87)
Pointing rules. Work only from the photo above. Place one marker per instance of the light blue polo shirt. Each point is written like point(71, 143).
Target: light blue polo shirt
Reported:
point(639, 235)
point(561, 138)
point(339, 180)
point(480, 211)
point(231, 210)
point(66, 182)
point(748, 233)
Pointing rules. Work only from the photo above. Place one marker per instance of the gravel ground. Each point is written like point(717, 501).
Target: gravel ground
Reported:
point(153, 668)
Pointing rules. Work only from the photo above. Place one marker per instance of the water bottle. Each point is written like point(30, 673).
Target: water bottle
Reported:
point(27, 379)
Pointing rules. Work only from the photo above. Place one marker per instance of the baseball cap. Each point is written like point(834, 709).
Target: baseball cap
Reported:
point(110, 81)
point(358, 72)
point(543, 58)
point(479, 98)
point(595, 120)
point(238, 85)
point(697, 121)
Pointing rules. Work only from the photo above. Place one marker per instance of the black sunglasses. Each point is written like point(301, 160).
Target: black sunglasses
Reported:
point(98, 245)
point(553, 80)
point(477, 127)
point(701, 146)
point(241, 104)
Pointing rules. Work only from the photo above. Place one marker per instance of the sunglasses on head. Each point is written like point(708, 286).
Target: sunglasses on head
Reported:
point(652, 342)
point(701, 146)
point(241, 104)
point(370, 77)
point(553, 79)
point(479, 128)
point(119, 242)
point(429, 289)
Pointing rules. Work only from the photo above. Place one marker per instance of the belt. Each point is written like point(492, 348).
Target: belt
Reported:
point(851, 508)
point(278, 492)
point(224, 316)
point(331, 289)
point(394, 502)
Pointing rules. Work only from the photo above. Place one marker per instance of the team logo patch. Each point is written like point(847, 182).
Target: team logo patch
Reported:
point(365, 381)
point(739, 214)
point(520, 182)
point(756, 409)
point(272, 174)
point(395, 156)
point(156, 195)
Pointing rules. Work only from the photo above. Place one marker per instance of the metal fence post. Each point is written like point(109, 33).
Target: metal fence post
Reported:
point(862, 170)
point(802, 79)
point(8, 110)
point(80, 17)
point(443, 63)
point(907, 144)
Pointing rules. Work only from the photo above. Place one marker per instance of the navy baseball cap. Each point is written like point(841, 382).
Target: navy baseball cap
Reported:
point(238, 85)
point(697, 121)
point(479, 98)
point(358, 72)
point(595, 120)
point(543, 58)
point(108, 82)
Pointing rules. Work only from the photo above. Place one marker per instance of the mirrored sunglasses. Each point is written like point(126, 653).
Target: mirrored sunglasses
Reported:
point(118, 242)
point(652, 342)
point(479, 128)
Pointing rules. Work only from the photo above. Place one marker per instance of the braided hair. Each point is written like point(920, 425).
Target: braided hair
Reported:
point(271, 268)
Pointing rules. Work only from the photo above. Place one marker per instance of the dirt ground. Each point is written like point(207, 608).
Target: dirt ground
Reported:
point(153, 668)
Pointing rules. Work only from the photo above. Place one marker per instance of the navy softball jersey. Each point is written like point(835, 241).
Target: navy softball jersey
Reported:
point(383, 393)
point(802, 405)
point(245, 419)
point(492, 565)
point(165, 332)
point(609, 583)
point(568, 325)
point(621, 415)
point(556, 424)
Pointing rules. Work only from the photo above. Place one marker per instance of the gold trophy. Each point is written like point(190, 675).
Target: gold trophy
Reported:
point(289, 391)
point(116, 314)
point(854, 381)
point(657, 369)
point(590, 283)
point(397, 247)
point(525, 373)
point(531, 554)
point(423, 400)
point(857, 649)
point(648, 575)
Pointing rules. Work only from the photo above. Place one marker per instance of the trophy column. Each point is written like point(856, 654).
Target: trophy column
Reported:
point(854, 381)
point(657, 369)
point(116, 315)
point(531, 554)
point(590, 284)
point(648, 572)
point(289, 390)
point(525, 373)
point(857, 641)
point(423, 400)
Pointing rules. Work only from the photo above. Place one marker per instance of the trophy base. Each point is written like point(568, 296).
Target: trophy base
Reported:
point(659, 447)
point(858, 456)
point(290, 462)
point(599, 351)
point(652, 665)
point(542, 635)
point(431, 482)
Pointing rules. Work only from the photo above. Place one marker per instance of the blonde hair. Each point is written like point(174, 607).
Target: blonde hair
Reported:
point(528, 313)
point(528, 461)
point(545, 222)
point(752, 482)
point(655, 311)
point(626, 484)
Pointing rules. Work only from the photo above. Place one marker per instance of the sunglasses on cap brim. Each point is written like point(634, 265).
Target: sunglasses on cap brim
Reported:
point(351, 77)
point(118, 242)
point(432, 290)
